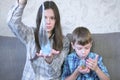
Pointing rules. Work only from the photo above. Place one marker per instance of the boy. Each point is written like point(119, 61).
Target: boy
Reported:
point(81, 64)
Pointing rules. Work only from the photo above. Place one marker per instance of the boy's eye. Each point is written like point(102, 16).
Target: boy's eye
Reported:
point(87, 47)
point(79, 48)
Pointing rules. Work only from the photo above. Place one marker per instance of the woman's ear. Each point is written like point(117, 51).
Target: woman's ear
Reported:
point(72, 45)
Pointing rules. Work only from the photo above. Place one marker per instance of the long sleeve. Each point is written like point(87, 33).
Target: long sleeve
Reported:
point(52, 71)
point(58, 61)
point(102, 66)
point(66, 71)
point(14, 21)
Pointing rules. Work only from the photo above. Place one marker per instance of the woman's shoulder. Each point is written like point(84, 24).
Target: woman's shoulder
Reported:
point(66, 39)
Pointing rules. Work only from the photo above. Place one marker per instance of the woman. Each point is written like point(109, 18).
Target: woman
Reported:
point(39, 66)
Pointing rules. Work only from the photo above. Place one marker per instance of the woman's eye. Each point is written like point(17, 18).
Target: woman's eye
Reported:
point(45, 17)
point(52, 18)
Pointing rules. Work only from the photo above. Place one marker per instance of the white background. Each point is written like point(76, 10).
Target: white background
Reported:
point(99, 16)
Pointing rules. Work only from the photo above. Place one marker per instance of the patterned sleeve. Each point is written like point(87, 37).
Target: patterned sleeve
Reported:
point(20, 30)
point(66, 70)
point(57, 62)
point(102, 66)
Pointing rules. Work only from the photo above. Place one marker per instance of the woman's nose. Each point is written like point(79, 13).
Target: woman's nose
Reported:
point(48, 21)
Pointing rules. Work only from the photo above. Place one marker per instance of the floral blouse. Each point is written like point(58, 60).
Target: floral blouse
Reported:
point(43, 70)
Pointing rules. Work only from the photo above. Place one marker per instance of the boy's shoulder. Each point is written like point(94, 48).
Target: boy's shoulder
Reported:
point(72, 54)
point(90, 55)
point(93, 55)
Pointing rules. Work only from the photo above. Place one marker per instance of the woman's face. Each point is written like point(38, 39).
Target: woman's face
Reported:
point(50, 19)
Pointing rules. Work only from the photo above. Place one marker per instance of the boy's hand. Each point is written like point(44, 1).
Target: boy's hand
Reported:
point(92, 63)
point(83, 69)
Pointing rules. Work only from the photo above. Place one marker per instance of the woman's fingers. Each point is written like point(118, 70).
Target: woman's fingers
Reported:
point(54, 52)
point(40, 54)
point(22, 2)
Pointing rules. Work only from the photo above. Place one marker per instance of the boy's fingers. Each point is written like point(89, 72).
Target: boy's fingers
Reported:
point(96, 57)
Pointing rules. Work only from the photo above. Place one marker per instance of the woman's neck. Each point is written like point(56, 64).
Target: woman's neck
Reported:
point(49, 34)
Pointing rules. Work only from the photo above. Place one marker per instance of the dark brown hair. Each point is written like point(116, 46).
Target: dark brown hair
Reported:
point(57, 31)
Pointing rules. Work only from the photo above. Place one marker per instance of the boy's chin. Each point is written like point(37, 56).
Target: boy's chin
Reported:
point(82, 57)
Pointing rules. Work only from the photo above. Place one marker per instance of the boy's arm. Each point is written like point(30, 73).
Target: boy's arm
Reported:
point(101, 75)
point(78, 72)
point(67, 75)
point(74, 75)
point(101, 70)
point(98, 66)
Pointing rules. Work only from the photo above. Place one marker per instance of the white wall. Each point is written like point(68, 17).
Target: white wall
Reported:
point(100, 16)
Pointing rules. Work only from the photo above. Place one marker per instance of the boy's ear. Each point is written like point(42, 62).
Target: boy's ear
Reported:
point(91, 43)
point(72, 45)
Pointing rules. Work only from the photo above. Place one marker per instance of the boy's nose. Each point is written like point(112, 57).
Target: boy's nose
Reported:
point(83, 51)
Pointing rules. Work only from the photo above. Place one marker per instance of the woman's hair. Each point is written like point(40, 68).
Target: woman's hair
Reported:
point(57, 31)
point(81, 35)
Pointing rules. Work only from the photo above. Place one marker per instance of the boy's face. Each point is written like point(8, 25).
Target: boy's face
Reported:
point(82, 51)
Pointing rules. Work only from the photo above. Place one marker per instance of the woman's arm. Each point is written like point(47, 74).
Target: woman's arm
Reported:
point(57, 61)
point(15, 23)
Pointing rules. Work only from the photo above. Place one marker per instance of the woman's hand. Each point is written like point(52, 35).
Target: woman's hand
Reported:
point(22, 2)
point(48, 58)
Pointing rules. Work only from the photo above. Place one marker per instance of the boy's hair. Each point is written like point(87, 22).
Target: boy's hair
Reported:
point(81, 35)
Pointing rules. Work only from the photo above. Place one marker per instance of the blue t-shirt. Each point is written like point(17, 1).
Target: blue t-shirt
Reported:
point(73, 61)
